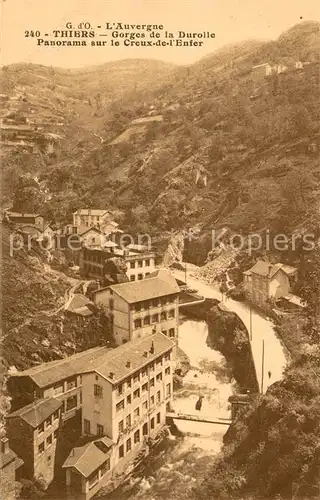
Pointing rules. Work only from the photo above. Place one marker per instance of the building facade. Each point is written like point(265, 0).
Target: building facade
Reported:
point(26, 219)
point(33, 433)
point(142, 307)
point(10, 465)
point(266, 282)
point(125, 401)
point(90, 217)
point(60, 380)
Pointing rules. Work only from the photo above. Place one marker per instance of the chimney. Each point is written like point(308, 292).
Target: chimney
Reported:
point(152, 348)
point(128, 365)
point(111, 375)
point(4, 445)
point(145, 354)
point(270, 266)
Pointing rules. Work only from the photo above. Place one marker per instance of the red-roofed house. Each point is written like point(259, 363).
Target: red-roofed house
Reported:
point(266, 281)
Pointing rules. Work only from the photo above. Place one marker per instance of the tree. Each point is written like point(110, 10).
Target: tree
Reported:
point(310, 293)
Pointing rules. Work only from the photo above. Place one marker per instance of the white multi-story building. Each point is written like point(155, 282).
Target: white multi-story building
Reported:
point(124, 406)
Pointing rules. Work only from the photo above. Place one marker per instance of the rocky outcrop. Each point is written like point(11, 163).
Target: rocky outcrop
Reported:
point(174, 252)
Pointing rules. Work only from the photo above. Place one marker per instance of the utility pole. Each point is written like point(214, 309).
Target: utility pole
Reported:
point(185, 272)
point(262, 373)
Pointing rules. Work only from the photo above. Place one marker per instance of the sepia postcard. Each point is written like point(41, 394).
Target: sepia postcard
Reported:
point(160, 250)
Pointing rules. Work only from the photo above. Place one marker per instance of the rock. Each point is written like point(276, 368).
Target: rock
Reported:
point(45, 343)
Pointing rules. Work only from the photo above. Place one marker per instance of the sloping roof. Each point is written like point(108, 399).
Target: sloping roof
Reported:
point(138, 248)
point(78, 304)
point(36, 413)
point(86, 459)
point(263, 268)
point(295, 300)
point(7, 458)
point(151, 288)
point(49, 373)
point(115, 361)
point(18, 214)
point(82, 230)
point(90, 211)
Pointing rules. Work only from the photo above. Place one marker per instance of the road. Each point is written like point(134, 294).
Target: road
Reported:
point(262, 330)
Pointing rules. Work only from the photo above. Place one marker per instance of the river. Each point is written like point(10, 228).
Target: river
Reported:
point(208, 377)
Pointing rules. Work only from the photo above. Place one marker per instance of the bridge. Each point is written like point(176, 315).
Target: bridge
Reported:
point(197, 418)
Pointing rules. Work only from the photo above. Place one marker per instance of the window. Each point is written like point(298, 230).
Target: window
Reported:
point(151, 367)
point(120, 406)
point(145, 429)
point(152, 382)
point(58, 389)
point(158, 418)
point(128, 445)
point(132, 265)
point(71, 383)
point(152, 423)
point(137, 323)
point(136, 378)
point(147, 274)
point(128, 421)
point(86, 426)
point(163, 301)
point(144, 372)
point(99, 430)
point(121, 426)
point(140, 277)
point(171, 313)
point(152, 401)
point(155, 318)
point(136, 394)
point(56, 415)
point(168, 389)
point(49, 459)
point(93, 479)
point(121, 451)
point(167, 371)
point(146, 320)
point(129, 399)
point(129, 383)
point(145, 387)
point(159, 363)
point(71, 403)
point(167, 356)
point(105, 467)
point(159, 377)
point(155, 302)
point(49, 440)
point(120, 389)
point(111, 304)
point(147, 262)
point(132, 277)
point(97, 391)
point(136, 413)
point(41, 448)
point(41, 429)
point(55, 434)
point(164, 332)
point(140, 264)
point(137, 306)
point(145, 405)
point(136, 437)
point(158, 397)
point(163, 316)
point(48, 422)
point(171, 332)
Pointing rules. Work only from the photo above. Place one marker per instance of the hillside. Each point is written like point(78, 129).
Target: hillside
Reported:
point(228, 143)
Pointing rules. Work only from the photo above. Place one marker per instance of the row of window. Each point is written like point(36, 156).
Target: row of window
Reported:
point(148, 320)
point(94, 478)
point(71, 383)
point(154, 398)
point(48, 442)
point(139, 263)
point(126, 448)
point(158, 302)
point(158, 363)
point(50, 420)
point(139, 277)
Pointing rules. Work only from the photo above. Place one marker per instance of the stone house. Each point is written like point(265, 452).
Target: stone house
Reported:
point(10, 466)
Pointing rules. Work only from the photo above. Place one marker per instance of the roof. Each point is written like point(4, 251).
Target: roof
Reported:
point(18, 214)
point(151, 288)
point(266, 269)
point(36, 413)
point(90, 211)
point(110, 244)
point(81, 230)
point(115, 361)
point(86, 459)
point(47, 374)
point(138, 248)
point(294, 299)
point(7, 458)
point(78, 304)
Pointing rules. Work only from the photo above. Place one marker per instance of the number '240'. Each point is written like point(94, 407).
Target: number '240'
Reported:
point(32, 33)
